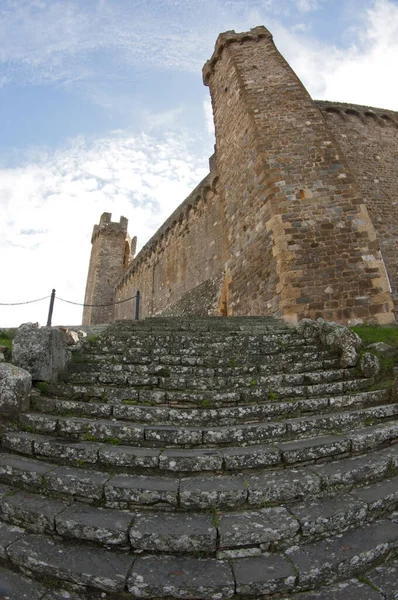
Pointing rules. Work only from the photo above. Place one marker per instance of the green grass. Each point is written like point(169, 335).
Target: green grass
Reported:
point(370, 334)
point(205, 403)
point(42, 386)
point(6, 340)
point(112, 440)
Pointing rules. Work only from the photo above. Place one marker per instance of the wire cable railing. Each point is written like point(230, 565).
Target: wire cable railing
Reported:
point(52, 301)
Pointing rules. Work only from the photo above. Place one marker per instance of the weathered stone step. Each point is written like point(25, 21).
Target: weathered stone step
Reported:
point(258, 489)
point(306, 358)
point(360, 589)
point(141, 391)
point(41, 514)
point(134, 459)
point(131, 433)
point(206, 379)
point(152, 576)
point(14, 586)
point(169, 414)
point(200, 324)
point(222, 353)
point(220, 534)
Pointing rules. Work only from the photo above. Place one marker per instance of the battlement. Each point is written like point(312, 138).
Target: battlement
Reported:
point(107, 226)
point(231, 37)
point(366, 114)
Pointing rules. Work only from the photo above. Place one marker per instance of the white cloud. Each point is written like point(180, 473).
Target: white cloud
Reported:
point(48, 209)
point(359, 73)
point(208, 113)
point(307, 5)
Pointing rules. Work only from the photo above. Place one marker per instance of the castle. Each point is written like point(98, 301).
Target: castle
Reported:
point(298, 216)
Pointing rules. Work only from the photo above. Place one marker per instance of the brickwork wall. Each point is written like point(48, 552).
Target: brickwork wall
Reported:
point(300, 241)
point(369, 139)
point(185, 252)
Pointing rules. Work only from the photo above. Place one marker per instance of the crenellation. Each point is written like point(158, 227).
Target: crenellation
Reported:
point(298, 216)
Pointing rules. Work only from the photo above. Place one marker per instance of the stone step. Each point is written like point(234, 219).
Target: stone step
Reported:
point(198, 492)
point(135, 459)
point(169, 414)
point(153, 576)
point(131, 433)
point(201, 399)
point(207, 379)
point(144, 390)
point(174, 366)
point(217, 533)
point(14, 586)
point(306, 358)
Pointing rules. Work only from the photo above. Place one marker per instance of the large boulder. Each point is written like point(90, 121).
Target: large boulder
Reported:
point(342, 339)
point(40, 350)
point(15, 387)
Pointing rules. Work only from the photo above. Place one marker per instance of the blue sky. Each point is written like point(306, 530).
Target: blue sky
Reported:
point(102, 108)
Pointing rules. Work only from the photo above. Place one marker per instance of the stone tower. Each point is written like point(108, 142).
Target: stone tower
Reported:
point(298, 235)
point(111, 253)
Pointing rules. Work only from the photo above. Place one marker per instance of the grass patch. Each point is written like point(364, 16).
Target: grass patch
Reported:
point(112, 440)
point(371, 334)
point(42, 386)
point(6, 341)
point(205, 403)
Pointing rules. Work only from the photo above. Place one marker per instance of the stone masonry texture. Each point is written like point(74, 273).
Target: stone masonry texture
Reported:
point(297, 217)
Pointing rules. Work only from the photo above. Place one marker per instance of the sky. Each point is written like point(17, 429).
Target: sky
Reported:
point(103, 109)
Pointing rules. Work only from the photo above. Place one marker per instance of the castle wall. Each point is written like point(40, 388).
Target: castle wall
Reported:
point(297, 218)
point(300, 240)
point(185, 254)
point(369, 139)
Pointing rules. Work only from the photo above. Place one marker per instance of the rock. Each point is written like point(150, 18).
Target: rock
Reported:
point(309, 329)
point(382, 348)
point(340, 338)
point(41, 351)
point(71, 337)
point(2, 357)
point(370, 365)
point(15, 387)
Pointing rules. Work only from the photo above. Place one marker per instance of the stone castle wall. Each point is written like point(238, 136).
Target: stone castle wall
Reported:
point(185, 254)
point(369, 140)
point(297, 213)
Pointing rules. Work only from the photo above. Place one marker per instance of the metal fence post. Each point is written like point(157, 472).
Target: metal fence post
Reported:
point(50, 310)
point(137, 306)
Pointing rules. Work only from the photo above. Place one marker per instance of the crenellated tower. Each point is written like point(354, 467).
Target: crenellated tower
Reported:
point(111, 252)
point(298, 236)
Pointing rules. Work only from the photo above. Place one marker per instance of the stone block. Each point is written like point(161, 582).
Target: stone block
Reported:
point(263, 575)
point(181, 577)
point(106, 527)
point(268, 527)
point(41, 351)
point(344, 555)
point(16, 587)
point(178, 532)
point(70, 562)
point(15, 387)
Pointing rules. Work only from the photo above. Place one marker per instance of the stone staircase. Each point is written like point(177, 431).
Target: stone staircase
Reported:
point(203, 459)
